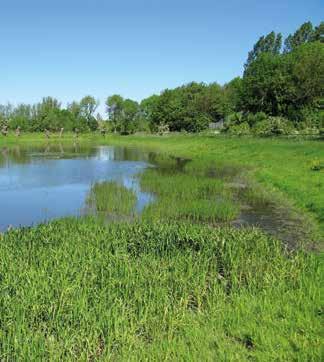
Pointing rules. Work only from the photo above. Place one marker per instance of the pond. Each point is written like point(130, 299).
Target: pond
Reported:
point(38, 184)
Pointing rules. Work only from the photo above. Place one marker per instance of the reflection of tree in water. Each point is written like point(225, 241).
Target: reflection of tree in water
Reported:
point(3, 156)
point(24, 154)
point(14, 154)
point(168, 164)
point(129, 154)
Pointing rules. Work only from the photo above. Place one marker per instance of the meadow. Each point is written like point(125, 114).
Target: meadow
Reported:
point(180, 282)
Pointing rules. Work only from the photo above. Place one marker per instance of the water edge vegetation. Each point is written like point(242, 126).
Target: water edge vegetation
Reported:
point(178, 283)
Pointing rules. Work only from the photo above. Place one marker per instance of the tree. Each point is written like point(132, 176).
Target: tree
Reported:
point(283, 84)
point(233, 96)
point(266, 85)
point(114, 105)
point(302, 35)
point(190, 107)
point(88, 106)
point(270, 43)
point(123, 113)
point(128, 119)
point(147, 107)
point(307, 69)
point(318, 34)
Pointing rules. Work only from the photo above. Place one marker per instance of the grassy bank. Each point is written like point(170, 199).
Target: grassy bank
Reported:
point(161, 288)
point(281, 165)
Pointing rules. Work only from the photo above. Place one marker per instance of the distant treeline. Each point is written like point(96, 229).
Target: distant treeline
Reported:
point(281, 91)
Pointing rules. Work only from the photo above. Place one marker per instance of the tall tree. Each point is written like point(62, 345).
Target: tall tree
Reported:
point(88, 106)
point(270, 43)
point(318, 34)
point(114, 106)
point(302, 35)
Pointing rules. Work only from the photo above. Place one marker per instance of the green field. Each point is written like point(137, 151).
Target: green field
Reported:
point(179, 282)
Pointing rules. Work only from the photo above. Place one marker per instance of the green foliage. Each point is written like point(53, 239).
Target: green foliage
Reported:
point(280, 84)
point(301, 36)
point(270, 44)
point(241, 129)
point(318, 34)
point(258, 124)
point(123, 113)
point(190, 107)
point(233, 96)
point(48, 115)
point(321, 133)
point(87, 108)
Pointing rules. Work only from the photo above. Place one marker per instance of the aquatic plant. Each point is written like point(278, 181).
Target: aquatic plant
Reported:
point(112, 198)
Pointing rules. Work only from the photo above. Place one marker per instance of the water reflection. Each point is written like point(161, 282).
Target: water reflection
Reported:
point(41, 183)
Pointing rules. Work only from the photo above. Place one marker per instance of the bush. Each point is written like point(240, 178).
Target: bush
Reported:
point(240, 129)
point(273, 126)
point(262, 129)
point(253, 119)
point(281, 126)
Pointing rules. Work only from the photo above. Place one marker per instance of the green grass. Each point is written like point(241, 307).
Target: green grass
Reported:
point(77, 290)
point(112, 200)
point(181, 196)
point(282, 167)
point(161, 288)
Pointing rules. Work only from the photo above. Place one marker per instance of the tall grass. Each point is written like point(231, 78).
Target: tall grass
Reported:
point(110, 198)
point(76, 290)
point(182, 196)
point(162, 289)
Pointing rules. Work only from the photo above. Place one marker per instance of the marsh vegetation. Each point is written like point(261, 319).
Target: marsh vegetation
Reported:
point(175, 279)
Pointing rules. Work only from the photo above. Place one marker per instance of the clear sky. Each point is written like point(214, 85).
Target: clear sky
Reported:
point(70, 48)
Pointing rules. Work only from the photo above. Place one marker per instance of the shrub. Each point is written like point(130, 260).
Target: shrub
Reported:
point(240, 129)
point(253, 119)
point(281, 126)
point(273, 126)
point(263, 129)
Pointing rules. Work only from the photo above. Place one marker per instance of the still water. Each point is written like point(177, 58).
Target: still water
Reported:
point(38, 184)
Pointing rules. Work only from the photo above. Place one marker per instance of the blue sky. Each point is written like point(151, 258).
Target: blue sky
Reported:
point(71, 48)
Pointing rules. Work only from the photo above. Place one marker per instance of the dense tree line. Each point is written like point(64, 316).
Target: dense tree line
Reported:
point(281, 91)
point(49, 115)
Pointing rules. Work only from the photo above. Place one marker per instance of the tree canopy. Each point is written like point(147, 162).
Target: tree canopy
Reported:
point(278, 81)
